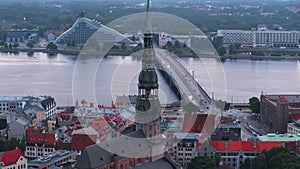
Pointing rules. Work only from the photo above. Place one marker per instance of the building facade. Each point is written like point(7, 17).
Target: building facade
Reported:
point(38, 144)
point(13, 159)
point(234, 153)
point(294, 128)
point(259, 38)
point(21, 35)
point(277, 38)
point(278, 110)
point(183, 147)
point(227, 132)
point(9, 104)
point(18, 128)
point(237, 36)
point(84, 28)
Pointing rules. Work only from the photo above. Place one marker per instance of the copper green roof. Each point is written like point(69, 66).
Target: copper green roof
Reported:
point(279, 137)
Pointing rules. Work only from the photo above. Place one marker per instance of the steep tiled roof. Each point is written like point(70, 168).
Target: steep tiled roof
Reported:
point(244, 145)
point(193, 123)
point(11, 157)
point(296, 118)
point(35, 137)
point(81, 141)
point(127, 145)
point(158, 164)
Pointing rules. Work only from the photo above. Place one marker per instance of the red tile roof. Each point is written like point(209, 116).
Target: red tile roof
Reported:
point(244, 145)
point(36, 137)
point(80, 141)
point(64, 115)
point(193, 123)
point(296, 118)
point(282, 98)
point(11, 157)
point(60, 145)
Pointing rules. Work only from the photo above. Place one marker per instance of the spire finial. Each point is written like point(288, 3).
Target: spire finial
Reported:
point(148, 19)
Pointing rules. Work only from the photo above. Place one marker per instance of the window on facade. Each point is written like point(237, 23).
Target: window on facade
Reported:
point(130, 164)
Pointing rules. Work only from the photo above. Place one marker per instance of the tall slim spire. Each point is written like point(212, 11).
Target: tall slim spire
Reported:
point(148, 34)
point(148, 107)
point(148, 19)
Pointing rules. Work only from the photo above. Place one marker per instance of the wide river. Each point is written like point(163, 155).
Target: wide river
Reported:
point(116, 75)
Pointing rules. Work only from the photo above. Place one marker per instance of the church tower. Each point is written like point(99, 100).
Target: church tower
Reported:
point(148, 108)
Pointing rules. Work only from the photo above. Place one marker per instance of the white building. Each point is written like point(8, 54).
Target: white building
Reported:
point(164, 38)
point(237, 36)
point(38, 144)
point(13, 159)
point(182, 148)
point(277, 38)
point(260, 38)
point(9, 104)
point(294, 128)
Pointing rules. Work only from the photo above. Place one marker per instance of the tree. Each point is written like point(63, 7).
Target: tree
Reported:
point(258, 53)
point(177, 44)
point(169, 45)
point(30, 44)
point(202, 162)
point(2, 145)
point(51, 46)
point(10, 46)
point(5, 45)
point(12, 143)
point(275, 158)
point(254, 105)
point(221, 51)
point(22, 145)
point(15, 45)
point(223, 105)
point(233, 47)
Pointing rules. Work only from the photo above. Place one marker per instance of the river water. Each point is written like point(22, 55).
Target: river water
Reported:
point(238, 80)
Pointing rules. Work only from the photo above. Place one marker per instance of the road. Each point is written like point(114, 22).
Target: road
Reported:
point(187, 85)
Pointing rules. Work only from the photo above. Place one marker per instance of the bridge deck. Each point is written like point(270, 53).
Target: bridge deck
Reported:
point(188, 87)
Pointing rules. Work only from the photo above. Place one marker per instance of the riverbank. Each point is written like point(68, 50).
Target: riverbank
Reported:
point(76, 52)
point(251, 57)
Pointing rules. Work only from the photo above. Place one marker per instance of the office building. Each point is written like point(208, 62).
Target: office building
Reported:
point(260, 38)
point(277, 111)
point(22, 35)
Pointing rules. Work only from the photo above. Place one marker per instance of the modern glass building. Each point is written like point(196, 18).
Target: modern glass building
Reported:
point(83, 29)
